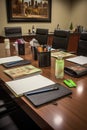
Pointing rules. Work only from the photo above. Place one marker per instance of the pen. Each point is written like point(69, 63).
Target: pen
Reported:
point(43, 90)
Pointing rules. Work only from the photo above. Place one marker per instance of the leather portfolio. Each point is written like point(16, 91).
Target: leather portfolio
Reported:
point(41, 98)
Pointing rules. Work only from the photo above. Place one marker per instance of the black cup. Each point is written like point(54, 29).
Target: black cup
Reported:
point(44, 59)
point(21, 48)
point(34, 52)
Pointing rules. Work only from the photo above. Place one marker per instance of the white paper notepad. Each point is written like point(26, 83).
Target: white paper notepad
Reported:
point(18, 87)
point(81, 60)
point(9, 59)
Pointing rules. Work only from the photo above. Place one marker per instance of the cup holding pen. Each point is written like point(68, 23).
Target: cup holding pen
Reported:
point(44, 58)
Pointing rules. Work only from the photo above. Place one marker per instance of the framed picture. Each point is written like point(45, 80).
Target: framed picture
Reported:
point(29, 10)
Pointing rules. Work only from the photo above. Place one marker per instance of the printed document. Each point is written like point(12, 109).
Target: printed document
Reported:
point(9, 59)
point(81, 60)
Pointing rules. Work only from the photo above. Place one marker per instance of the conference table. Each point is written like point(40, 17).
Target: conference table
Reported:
point(68, 113)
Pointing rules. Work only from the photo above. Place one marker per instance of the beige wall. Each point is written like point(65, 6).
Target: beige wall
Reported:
point(60, 15)
point(79, 13)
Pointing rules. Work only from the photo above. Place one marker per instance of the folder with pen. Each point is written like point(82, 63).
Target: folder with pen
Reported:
point(47, 94)
point(43, 90)
point(16, 63)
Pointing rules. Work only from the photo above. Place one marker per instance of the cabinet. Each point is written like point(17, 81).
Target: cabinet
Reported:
point(73, 42)
point(14, 38)
point(26, 37)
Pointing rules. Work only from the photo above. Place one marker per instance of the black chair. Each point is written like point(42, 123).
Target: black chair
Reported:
point(60, 39)
point(82, 44)
point(13, 31)
point(42, 36)
point(12, 117)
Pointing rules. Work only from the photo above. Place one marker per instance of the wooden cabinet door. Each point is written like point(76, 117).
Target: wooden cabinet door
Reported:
point(73, 42)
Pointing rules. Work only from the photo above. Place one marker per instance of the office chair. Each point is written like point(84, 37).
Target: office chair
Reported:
point(13, 31)
point(82, 44)
point(1, 39)
point(42, 36)
point(12, 117)
point(60, 39)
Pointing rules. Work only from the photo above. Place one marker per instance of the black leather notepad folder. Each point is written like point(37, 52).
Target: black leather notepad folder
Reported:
point(16, 63)
point(48, 96)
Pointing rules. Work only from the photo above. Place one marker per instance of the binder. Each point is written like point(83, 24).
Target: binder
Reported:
point(76, 70)
point(39, 99)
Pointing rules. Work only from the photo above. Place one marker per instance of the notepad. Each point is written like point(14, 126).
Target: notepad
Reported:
point(10, 59)
point(20, 86)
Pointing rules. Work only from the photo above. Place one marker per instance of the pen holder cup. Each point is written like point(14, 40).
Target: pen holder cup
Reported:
point(34, 52)
point(21, 48)
point(44, 59)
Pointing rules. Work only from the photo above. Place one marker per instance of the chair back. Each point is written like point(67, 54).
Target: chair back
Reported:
point(42, 36)
point(82, 44)
point(13, 31)
point(60, 39)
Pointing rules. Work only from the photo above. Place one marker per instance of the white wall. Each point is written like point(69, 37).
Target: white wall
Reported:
point(60, 15)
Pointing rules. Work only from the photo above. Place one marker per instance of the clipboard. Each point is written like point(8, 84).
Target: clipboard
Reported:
point(49, 96)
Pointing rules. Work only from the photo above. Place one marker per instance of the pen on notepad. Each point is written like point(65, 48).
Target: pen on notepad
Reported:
point(43, 90)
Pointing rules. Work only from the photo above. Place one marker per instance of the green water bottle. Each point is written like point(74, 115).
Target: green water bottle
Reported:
point(59, 67)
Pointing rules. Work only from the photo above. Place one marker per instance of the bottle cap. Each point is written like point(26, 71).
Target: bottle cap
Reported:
point(6, 40)
point(59, 57)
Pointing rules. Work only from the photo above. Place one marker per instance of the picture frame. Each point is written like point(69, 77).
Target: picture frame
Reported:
point(29, 10)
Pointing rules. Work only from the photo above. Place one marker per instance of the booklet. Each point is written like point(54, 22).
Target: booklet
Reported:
point(61, 53)
point(76, 70)
point(23, 71)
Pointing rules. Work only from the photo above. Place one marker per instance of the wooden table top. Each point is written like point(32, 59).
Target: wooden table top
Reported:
point(68, 113)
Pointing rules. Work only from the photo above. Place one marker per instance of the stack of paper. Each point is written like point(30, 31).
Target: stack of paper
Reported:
point(9, 59)
point(81, 60)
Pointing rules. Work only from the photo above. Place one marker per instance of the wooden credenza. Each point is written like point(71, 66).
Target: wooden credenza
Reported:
point(26, 37)
point(73, 39)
